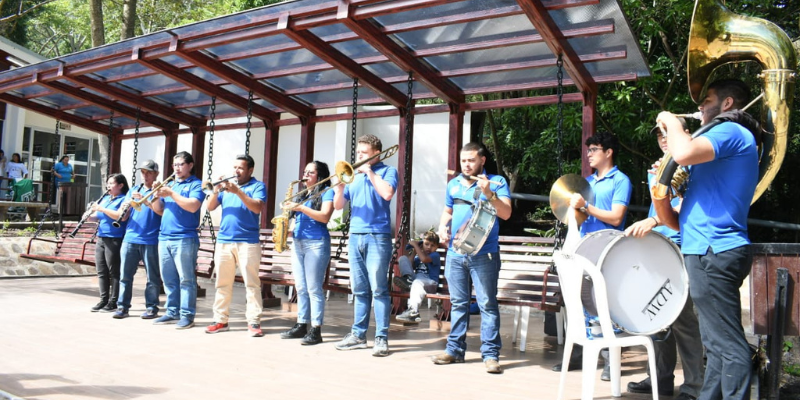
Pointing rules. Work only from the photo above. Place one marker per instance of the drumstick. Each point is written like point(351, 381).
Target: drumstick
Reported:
point(451, 172)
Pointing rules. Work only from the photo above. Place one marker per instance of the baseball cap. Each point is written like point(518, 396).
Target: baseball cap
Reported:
point(149, 165)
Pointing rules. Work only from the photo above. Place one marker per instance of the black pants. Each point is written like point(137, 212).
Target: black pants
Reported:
point(107, 260)
point(715, 281)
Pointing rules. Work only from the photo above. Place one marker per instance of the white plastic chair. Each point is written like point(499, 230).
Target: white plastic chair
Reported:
point(571, 269)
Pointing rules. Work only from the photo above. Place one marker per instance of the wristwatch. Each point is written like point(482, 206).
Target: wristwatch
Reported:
point(494, 196)
point(584, 210)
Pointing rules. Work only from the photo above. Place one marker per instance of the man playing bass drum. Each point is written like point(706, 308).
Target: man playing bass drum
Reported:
point(482, 268)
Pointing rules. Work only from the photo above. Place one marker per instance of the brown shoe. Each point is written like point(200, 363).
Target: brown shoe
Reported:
point(493, 366)
point(444, 359)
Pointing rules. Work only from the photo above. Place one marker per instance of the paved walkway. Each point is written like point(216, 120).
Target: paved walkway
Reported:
point(52, 347)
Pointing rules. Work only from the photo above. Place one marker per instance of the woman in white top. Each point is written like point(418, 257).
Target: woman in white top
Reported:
point(16, 169)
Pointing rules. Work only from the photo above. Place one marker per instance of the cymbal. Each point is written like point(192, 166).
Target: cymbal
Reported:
point(561, 193)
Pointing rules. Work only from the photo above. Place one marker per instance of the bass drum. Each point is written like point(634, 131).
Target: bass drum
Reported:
point(646, 279)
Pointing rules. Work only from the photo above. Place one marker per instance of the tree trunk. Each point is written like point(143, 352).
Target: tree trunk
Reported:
point(128, 19)
point(98, 28)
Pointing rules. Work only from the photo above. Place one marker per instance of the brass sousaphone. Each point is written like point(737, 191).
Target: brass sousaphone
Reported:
point(719, 37)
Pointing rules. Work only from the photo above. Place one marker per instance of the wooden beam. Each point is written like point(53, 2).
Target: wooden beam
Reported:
point(247, 83)
point(103, 102)
point(199, 150)
point(116, 152)
point(406, 147)
point(443, 88)
point(455, 138)
point(307, 138)
point(270, 172)
point(540, 18)
point(208, 88)
point(344, 64)
point(58, 114)
point(589, 126)
point(170, 149)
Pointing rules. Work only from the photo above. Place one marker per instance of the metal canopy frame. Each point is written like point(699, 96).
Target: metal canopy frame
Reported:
point(301, 56)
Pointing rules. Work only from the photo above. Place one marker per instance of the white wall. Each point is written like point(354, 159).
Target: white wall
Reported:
point(331, 145)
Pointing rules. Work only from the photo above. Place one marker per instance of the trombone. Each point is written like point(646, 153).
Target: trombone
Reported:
point(208, 186)
point(344, 171)
point(137, 204)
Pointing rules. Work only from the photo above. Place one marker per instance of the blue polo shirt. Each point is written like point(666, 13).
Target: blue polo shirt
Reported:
point(239, 224)
point(718, 195)
point(613, 188)
point(369, 212)
point(105, 229)
point(143, 226)
point(65, 171)
point(432, 269)
point(462, 212)
point(306, 227)
point(673, 235)
point(177, 223)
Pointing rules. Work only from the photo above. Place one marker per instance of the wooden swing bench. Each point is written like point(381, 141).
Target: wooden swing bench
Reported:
point(78, 250)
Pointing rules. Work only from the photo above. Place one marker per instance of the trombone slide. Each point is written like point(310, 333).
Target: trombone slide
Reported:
point(452, 172)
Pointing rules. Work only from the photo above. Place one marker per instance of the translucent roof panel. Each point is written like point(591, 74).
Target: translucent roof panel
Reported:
point(309, 61)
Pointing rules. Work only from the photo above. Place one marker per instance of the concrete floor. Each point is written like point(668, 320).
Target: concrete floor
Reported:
point(52, 347)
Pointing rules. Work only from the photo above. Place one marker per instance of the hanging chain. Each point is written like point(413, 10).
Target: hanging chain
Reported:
point(110, 144)
point(560, 145)
point(353, 132)
point(249, 124)
point(403, 234)
point(210, 163)
point(135, 147)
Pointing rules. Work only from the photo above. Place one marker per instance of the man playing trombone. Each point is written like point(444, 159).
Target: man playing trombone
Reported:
point(238, 242)
point(140, 244)
point(178, 241)
point(370, 245)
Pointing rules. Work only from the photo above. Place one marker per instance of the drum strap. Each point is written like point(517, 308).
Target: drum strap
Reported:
point(462, 201)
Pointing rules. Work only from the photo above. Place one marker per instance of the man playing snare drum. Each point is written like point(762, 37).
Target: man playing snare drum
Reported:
point(483, 267)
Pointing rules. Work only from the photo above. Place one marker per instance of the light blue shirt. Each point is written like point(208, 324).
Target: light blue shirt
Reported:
point(613, 188)
point(306, 227)
point(104, 228)
point(65, 171)
point(718, 195)
point(239, 224)
point(463, 212)
point(672, 234)
point(143, 226)
point(177, 223)
point(369, 212)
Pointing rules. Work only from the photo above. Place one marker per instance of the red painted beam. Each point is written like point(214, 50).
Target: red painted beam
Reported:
point(199, 151)
point(558, 44)
point(58, 114)
point(307, 137)
point(455, 139)
point(443, 88)
point(589, 126)
point(405, 159)
point(345, 65)
point(270, 173)
point(103, 102)
point(170, 149)
point(139, 101)
point(208, 88)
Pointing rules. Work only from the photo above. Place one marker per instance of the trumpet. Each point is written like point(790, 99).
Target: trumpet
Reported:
point(344, 172)
point(87, 214)
point(208, 186)
point(137, 204)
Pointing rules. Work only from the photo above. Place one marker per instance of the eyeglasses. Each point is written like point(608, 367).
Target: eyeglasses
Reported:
point(309, 172)
point(178, 165)
point(591, 150)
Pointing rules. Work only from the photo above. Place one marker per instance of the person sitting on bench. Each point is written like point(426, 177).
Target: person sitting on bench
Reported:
point(420, 276)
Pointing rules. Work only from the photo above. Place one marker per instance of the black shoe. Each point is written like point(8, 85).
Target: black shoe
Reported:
point(297, 332)
point(644, 387)
point(606, 374)
point(574, 365)
point(403, 282)
point(97, 307)
point(685, 396)
point(110, 307)
point(314, 336)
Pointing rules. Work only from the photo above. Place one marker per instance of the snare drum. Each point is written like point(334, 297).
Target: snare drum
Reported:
point(646, 278)
point(472, 235)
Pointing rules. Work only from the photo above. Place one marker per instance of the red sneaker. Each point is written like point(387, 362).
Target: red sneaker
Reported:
point(255, 330)
point(217, 328)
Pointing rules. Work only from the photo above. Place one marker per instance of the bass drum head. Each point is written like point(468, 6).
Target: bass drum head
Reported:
point(645, 277)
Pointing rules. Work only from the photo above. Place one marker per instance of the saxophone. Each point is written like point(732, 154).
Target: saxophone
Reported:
point(280, 224)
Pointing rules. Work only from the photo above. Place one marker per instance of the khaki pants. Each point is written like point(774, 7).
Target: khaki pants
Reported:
point(226, 257)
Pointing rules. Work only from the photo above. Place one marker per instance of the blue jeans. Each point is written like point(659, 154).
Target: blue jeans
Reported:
point(132, 253)
point(178, 263)
point(715, 281)
point(310, 258)
point(369, 255)
point(483, 270)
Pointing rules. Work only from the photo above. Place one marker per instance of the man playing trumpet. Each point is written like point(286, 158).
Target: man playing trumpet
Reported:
point(238, 243)
point(140, 244)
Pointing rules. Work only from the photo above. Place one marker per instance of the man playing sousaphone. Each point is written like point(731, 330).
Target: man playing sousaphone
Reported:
point(713, 224)
point(482, 268)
